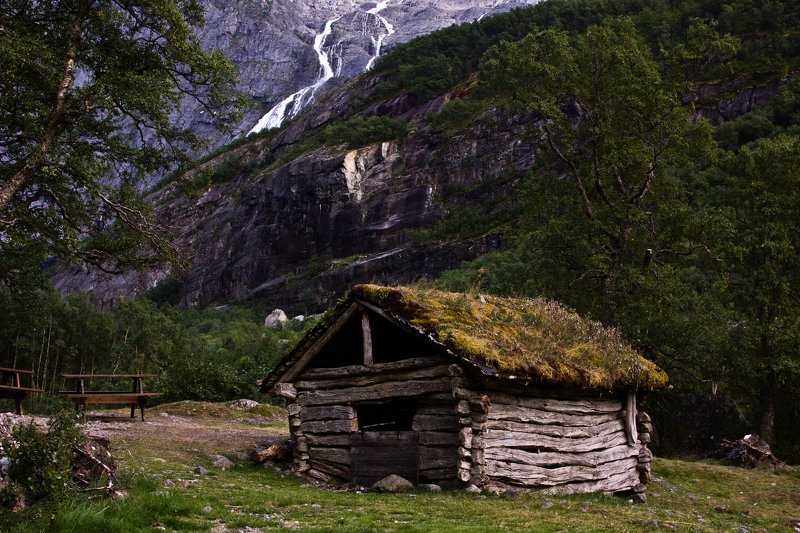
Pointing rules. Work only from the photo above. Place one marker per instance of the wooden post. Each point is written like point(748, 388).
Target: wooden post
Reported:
point(19, 406)
point(630, 419)
point(367, 334)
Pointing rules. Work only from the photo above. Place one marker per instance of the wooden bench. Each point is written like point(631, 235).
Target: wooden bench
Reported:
point(83, 397)
point(11, 385)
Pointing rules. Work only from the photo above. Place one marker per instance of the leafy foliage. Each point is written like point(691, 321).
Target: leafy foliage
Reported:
point(40, 462)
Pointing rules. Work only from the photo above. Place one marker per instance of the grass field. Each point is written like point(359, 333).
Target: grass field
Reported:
point(158, 459)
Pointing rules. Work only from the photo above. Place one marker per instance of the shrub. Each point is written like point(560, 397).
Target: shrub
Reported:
point(40, 462)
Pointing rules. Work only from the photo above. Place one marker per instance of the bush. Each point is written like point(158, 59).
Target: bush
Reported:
point(41, 463)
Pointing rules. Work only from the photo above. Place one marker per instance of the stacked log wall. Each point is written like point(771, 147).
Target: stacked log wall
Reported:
point(562, 443)
point(323, 418)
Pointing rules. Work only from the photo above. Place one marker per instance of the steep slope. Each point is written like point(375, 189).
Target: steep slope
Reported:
point(295, 216)
point(280, 47)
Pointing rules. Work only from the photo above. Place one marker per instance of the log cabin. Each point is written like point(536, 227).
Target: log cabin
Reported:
point(484, 390)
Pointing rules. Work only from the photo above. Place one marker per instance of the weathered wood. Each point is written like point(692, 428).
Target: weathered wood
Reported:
point(574, 407)
point(330, 426)
point(435, 423)
point(363, 370)
point(465, 438)
point(463, 407)
point(537, 476)
point(339, 456)
point(366, 333)
point(613, 483)
point(328, 412)
point(320, 343)
point(630, 418)
point(557, 431)
point(375, 455)
point(430, 457)
point(285, 390)
point(294, 409)
point(337, 471)
point(548, 459)
point(438, 438)
point(511, 439)
point(331, 439)
point(375, 379)
point(439, 409)
point(438, 474)
point(374, 392)
point(517, 413)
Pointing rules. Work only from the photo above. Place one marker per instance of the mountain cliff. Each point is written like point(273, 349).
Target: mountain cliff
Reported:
point(281, 47)
point(363, 183)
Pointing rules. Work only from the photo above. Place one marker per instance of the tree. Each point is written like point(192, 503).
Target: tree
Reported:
point(763, 261)
point(87, 89)
point(610, 218)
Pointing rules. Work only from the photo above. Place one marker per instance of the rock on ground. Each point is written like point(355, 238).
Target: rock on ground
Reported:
point(220, 461)
point(275, 319)
point(393, 483)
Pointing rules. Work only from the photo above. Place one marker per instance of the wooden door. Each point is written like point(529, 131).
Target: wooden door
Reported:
point(377, 454)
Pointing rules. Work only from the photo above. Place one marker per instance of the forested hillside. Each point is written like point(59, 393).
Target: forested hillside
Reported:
point(638, 161)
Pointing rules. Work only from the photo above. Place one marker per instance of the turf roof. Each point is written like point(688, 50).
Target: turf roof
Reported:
point(528, 338)
point(535, 339)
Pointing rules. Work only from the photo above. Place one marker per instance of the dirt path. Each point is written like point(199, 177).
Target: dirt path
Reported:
point(173, 437)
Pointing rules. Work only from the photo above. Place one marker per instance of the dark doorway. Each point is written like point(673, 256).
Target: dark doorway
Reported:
point(385, 443)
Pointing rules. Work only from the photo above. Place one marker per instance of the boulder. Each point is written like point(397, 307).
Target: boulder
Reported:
point(221, 462)
point(244, 405)
point(393, 483)
point(275, 319)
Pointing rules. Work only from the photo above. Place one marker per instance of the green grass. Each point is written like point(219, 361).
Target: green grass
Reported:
point(684, 496)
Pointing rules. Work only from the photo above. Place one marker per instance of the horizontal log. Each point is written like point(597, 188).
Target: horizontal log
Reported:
point(374, 392)
point(293, 409)
point(339, 456)
point(438, 438)
point(550, 459)
point(448, 409)
point(534, 475)
point(335, 470)
point(363, 370)
point(328, 412)
point(285, 390)
point(566, 406)
point(372, 379)
point(614, 483)
point(319, 476)
point(333, 439)
point(557, 431)
point(437, 457)
point(384, 438)
point(435, 423)
point(511, 439)
point(437, 474)
point(330, 426)
point(518, 413)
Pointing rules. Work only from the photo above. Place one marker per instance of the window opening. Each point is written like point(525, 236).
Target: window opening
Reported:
point(389, 415)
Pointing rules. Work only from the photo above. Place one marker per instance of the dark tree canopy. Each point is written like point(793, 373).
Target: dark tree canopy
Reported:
point(87, 90)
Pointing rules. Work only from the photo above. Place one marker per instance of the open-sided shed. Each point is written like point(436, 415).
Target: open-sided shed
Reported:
point(438, 386)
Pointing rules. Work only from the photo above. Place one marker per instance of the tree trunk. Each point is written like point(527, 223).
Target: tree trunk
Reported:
point(767, 407)
point(37, 159)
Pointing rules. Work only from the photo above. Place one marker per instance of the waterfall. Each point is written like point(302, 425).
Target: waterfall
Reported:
point(275, 117)
point(377, 43)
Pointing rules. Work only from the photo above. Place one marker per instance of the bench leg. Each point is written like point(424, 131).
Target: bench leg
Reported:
point(141, 408)
point(133, 410)
point(19, 406)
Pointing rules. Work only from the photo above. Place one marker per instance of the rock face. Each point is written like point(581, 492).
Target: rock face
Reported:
point(271, 43)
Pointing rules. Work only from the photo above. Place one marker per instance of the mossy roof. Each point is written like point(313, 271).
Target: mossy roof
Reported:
point(534, 339)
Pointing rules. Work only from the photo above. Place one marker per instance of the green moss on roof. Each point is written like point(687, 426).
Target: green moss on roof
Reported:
point(527, 338)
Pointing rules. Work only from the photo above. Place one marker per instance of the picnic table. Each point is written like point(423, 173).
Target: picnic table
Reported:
point(82, 396)
point(11, 385)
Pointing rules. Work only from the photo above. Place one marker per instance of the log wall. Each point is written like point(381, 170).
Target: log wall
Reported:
point(560, 441)
point(323, 420)
point(563, 443)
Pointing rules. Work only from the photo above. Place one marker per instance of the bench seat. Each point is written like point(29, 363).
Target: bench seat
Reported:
point(111, 397)
point(13, 392)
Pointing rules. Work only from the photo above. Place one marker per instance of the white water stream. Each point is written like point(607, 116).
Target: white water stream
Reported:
point(275, 117)
point(290, 106)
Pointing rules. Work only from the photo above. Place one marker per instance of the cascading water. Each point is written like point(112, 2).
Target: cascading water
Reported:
point(377, 43)
point(275, 117)
point(290, 106)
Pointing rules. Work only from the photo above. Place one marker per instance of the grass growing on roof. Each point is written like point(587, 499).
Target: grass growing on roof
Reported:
point(536, 338)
